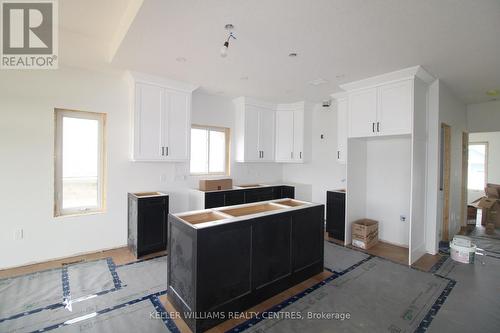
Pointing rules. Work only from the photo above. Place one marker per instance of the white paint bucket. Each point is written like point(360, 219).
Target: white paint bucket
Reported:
point(463, 254)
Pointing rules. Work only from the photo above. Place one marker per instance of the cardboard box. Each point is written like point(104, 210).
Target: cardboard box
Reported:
point(490, 210)
point(364, 233)
point(216, 184)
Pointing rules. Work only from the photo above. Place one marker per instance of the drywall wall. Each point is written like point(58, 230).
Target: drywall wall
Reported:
point(388, 186)
point(453, 113)
point(493, 156)
point(483, 117)
point(27, 102)
point(321, 170)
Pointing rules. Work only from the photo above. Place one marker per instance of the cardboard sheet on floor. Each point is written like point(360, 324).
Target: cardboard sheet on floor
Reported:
point(377, 294)
point(138, 280)
point(339, 258)
point(32, 291)
point(474, 303)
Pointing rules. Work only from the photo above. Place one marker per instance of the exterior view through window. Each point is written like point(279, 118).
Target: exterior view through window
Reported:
point(209, 150)
point(477, 166)
point(79, 162)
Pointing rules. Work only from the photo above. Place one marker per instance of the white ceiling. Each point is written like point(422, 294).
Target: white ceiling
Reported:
point(337, 40)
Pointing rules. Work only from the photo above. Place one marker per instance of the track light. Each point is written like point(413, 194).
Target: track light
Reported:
point(225, 47)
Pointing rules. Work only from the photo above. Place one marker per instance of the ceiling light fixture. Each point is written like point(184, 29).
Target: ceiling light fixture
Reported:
point(292, 54)
point(225, 47)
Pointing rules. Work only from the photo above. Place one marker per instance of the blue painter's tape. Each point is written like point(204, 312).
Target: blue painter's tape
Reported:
point(65, 283)
point(164, 314)
point(112, 269)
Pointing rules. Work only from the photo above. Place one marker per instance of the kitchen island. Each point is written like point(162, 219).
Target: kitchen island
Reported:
point(229, 259)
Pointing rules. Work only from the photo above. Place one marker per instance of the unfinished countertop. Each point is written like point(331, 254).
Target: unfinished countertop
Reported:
point(211, 217)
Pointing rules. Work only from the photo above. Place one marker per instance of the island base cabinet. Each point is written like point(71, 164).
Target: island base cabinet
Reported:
point(231, 267)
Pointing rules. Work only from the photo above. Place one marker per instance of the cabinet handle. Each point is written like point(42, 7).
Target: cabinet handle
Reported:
point(338, 154)
point(373, 127)
point(167, 151)
point(300, 155)
point(378, 126)
point(291, 154)
point(262, 154)
point(162, 151)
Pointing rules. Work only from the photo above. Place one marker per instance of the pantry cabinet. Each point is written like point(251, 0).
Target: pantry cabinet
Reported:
point(161, 119)
point(381, 110)
point(254, 131)
point(290, 133)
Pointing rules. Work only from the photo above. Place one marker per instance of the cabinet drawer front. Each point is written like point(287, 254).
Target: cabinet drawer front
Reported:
point(213, 200)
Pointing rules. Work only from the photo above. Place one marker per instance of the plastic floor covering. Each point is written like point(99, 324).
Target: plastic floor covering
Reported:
point(377, 295)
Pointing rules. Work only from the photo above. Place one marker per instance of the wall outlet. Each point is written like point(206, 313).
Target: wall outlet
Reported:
point(19, 234)
point(402, 218)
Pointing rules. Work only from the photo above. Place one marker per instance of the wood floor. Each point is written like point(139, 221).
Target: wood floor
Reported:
point(123, 256)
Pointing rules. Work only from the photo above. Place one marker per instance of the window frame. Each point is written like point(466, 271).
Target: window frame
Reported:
point(486, 157)
point(227, 132)
point(59, 114)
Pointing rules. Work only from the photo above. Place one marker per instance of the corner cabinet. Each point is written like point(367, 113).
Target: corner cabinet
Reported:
point(381, 110)
point(161, 118)
point(290, 125)
point(254, 131)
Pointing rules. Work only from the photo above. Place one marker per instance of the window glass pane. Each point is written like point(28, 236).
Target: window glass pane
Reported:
point(199, 150)
point(80, 170)
point(217, 158)
point(477, 167)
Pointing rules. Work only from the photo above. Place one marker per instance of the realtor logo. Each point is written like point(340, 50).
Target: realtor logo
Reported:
point(29, 34)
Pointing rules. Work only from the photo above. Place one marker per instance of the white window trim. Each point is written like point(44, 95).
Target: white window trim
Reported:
point(227, 134)
point(101, 179)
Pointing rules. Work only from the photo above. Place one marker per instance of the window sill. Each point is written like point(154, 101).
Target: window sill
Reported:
point(61, 216)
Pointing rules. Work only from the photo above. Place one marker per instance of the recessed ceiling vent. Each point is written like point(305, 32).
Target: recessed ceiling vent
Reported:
point(317, 82)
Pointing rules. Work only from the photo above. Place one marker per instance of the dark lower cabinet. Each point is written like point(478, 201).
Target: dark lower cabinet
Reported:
point(147, 223)
point(233, 266)
point(241, 196)
point(335, 214)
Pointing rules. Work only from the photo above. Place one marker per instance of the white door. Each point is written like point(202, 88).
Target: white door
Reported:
point(395, 109)
point(266, 135)
point(251, 136)
point(341, 130)
point(298, 135)
point(362, 113)
point(178, 127)
point(147, 122)
point(284, 136)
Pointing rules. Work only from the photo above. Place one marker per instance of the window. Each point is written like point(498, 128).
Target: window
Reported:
point(79, 162)
point(477, 166)
point(209, 150)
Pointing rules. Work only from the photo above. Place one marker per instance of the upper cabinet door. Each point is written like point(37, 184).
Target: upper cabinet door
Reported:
point(178, 129)
point(298, 135)
point(395, 109)
point(251, 134)
point(266, 134)
point(362, 113)
point(148, 122)
point(341, 130)
point(284, 136)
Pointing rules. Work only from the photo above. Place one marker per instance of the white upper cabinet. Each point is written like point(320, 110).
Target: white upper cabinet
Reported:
point(161, 119)
point(382, 110)
point(395, 108)
point(342, 129)
point(290, 133)
point(254, 131)
point(362, 113)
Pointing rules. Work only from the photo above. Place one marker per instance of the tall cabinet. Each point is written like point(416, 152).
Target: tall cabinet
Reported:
point(386, 156)
point(160, 118)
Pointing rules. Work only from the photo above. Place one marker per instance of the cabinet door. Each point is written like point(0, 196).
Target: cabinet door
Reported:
point(284, 136)
point(147, 122)
point(213, 200)
point(362, 113)
point(152, 225)
point(234, 198)
point(341, 130)
point(178, 129)
point(298, 135)
point(251, 135)
point(395, 109)
point(266, 135)
point(335, 215)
